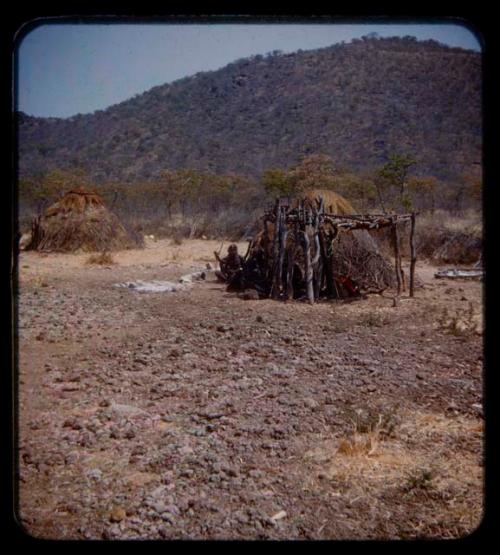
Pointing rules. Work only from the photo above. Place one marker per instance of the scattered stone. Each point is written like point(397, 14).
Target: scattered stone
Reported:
point(249, 295)
point(94, 474)
point(127, 410)
point(311, 403)
point(117, 514)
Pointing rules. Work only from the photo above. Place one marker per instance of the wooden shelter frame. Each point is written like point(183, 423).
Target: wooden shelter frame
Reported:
point(317, 228)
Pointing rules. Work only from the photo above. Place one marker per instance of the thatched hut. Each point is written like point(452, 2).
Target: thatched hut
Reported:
point(80, 221)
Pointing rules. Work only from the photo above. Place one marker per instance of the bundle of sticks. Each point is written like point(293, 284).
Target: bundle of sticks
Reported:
point(293, 256)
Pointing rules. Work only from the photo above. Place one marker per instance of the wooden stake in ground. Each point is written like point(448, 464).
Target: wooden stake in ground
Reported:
point(308, 267)
point(275, 271)
point(281, 258)
point(413, 253)
point(397, 258)
point(290, 258)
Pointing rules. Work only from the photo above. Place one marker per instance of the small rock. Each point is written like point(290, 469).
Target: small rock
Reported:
point(279, 515)
point(249, 295)
point(310, 403)
point(71, 458)
point(173, 510)
point(95, 474)
point(163, 531)
point(72, 423)
point(117, 514)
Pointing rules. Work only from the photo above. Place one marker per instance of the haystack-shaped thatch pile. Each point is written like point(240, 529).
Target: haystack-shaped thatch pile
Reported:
point(316, 246)
point(80, 221)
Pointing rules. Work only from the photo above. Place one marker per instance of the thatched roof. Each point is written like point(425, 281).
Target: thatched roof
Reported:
point(334, 203)
point(77, 200)
point(80, 221)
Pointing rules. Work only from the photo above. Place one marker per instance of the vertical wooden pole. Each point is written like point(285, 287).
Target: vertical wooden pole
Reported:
point(316, 261)
point(397, 259)
point(308, 268)
point(276, 270)
point(289, 267)
point(281, 258)
point(327, 263)
point(317, 267)
point(413, 253)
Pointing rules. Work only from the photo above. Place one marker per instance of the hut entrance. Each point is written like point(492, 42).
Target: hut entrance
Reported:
point(304, 252)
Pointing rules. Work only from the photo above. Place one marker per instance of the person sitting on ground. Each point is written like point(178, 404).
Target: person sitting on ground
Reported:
point(230, 265)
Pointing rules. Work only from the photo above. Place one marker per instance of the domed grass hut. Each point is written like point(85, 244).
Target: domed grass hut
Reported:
point(315, 246)
point(80, 222)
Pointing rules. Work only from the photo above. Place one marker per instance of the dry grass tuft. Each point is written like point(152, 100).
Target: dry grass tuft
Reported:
point(373, 319)
point(103, 259)
point(428, 461)
point(461, 323)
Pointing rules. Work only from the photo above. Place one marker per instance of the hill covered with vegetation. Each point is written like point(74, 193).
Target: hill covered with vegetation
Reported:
point(357, 103)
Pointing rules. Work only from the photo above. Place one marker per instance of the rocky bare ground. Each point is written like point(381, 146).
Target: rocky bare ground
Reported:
point(200, 415)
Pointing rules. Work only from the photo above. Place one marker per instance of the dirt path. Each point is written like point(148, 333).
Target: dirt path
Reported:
point(196, 414)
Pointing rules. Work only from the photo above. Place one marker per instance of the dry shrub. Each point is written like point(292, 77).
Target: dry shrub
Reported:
point(419, 479)
point(446, 239)
point(462, 323)
point(103, 259)
point(358, 445)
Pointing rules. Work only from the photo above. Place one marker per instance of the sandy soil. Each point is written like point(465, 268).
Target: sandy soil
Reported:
point(197, 414)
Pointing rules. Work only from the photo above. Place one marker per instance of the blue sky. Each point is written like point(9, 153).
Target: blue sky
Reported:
point(65, 69)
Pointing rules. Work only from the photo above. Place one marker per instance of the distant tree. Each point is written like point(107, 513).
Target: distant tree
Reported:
point(277, 182)
point(314, 171)
point(54, 184)
point(358, 188)
point(392, 180)
point(424, 190)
